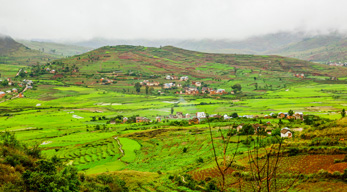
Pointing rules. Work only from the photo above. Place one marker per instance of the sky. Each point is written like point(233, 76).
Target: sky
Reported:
point(168, 19)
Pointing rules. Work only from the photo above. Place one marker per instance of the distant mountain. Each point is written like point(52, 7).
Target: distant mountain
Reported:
point(55, 48)
point(319, 48)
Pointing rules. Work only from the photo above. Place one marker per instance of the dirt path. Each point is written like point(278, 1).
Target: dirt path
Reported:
point(120, 146)
point(121, 150)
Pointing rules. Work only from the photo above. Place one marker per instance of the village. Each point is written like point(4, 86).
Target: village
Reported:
point(187, 87)
point(202, 117)
point(18, 88)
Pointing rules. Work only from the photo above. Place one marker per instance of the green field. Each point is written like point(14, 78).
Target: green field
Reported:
point(78, 119)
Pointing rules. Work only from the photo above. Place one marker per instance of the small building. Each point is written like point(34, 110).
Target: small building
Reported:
point(179, 115)
point(158, 119)
point(141, 119)
point(168, 77)
point(14, 90)
point(281, 115)
point(125, 119)
point(8, 91)
point(184, 78)
point(2, 94)
point(238, 128)
point(200, 115)
point(226, 117)
point(188, 116)
point(198, 84)
point(285, 132)
point(221, 91)
point(298, 115)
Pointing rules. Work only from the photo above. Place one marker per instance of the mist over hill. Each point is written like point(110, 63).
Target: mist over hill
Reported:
point(320, 48)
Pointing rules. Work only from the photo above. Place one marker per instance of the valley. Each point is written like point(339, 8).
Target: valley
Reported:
point(149, 116)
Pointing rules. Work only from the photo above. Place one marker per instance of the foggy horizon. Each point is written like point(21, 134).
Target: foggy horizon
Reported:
point(168, 20)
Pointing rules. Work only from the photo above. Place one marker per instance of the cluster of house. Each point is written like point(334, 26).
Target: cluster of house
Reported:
point(27, 83)
point(195, 91)
point(285, 132)
point(170, 85)
point(337, 64)
point(280, 115)
point(3, 93)
point(299, 75)
point(50, 70)
point(148, 83)
point(173, 77)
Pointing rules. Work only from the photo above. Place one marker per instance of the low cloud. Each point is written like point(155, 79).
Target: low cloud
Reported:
point(177, 19)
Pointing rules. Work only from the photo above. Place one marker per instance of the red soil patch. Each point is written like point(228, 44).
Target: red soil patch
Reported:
point(202, 174)
point(312, 163)
point(338, 167)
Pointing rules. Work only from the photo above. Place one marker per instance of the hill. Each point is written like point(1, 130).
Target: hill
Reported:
point(14, 56)
point(321, 48)
point(172, 60)
point(58, 49)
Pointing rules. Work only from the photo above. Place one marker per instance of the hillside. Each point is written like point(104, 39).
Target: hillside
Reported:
point(14, 56)
point(61, 50)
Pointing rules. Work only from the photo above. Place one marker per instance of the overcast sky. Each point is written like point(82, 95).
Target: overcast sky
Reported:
point(157, 19)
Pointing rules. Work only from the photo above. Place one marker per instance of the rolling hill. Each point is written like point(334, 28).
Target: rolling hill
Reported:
point(14, 56)
point(319, 48)
point(172, 60)
point(14, 53)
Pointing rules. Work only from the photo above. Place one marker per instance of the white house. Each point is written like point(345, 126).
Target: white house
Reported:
point(184, 78)
point(200, 115)
point(285, 132)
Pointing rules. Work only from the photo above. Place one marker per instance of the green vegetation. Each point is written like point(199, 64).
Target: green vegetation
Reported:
point(73, 132)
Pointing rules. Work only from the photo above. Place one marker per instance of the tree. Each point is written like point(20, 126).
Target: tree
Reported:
point(151, 90)
point(256, 86)
point(172, 110)
point(228, 159)
point(343, 113)
point(4, 83)
point(264, 164)
point(236, 88)
point(234, 115)
point(137, 87)
point(290, 112)
point(147, 90)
